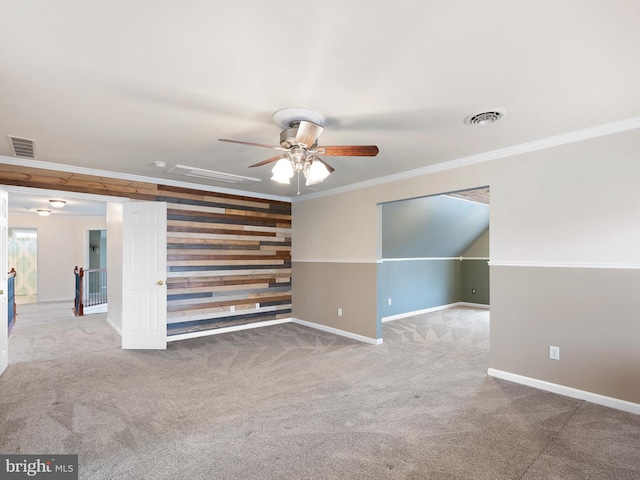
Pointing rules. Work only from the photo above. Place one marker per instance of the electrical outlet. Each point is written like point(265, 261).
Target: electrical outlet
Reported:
point(473, 291)
point(339, 312)
point(554, 353)
point(389, 301)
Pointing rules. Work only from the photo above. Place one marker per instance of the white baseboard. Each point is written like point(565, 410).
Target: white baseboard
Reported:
point(336, 331)
point(433, 309)
point(567, 391)
point(474, 305)
point(114, 326)
point(235, 328)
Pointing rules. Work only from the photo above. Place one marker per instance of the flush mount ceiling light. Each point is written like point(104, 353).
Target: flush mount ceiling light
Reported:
point(44, 213)
point(57, 203)
point(486, 117)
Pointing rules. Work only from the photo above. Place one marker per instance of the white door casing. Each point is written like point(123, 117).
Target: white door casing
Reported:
point(144, 273)
point(4, 312)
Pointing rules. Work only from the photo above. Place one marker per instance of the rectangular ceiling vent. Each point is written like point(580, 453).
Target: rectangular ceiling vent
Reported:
point(210, 175)
point(23, 147)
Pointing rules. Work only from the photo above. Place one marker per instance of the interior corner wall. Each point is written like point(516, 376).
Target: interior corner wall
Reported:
point(474, 281)
point(564, 217)
point(62, 245)
point(474, 265)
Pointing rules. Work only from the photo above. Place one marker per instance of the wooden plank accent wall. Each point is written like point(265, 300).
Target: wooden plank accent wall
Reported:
point(228, 256)
point(229, 260)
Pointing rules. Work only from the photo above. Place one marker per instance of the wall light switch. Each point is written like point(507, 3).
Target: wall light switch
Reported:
point(554, 353)
point(389, 301)
point(339, 312)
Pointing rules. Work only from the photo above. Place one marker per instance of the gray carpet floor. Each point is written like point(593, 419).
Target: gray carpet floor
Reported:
point(289, 402)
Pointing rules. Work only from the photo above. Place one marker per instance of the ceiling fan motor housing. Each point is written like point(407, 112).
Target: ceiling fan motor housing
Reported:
point(288, 137)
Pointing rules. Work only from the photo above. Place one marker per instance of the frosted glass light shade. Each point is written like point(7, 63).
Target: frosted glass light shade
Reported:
point(282, 171)
point(317, 173)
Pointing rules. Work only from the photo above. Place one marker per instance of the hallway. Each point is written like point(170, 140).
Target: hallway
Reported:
point(46, 331)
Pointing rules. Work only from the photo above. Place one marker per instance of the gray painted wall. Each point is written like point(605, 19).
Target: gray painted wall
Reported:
point(474, 281)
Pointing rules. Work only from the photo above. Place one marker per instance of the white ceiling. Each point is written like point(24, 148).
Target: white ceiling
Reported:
point(27, 201)
point(116, 85)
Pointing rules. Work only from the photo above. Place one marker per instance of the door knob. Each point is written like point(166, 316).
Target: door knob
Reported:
point(160, 282)
point(1, 292)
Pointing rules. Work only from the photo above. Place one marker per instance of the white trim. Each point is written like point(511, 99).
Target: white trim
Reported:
point(135, 178)
point(235, 328)
point(474, 305)
point(567, 391)
point(540, 144)
point(336, 331)
point(416, 259)
point(419, 312)
point(335, 260)
point(114, 326)
point(629, 266)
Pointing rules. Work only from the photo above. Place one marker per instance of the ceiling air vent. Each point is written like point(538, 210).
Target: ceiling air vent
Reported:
point(23, 147)
point(210, 175)
point(485, 118)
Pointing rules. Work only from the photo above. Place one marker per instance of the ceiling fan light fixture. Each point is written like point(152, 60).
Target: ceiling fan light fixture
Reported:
point(282, 171)
point(316, 173)
point(57, 203)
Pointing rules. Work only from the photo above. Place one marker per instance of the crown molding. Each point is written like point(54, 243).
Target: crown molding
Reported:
point(532, 146)
point(22, 162)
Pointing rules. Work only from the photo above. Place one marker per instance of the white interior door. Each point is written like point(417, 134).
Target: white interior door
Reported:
point(144, 273)
point(4, 312)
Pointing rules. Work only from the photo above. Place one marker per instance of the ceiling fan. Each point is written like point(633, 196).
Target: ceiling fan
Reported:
point(300, 150)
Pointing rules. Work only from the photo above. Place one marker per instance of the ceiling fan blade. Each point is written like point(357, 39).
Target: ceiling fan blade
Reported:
point(329, 167)
point(264, 162)
point(249, 143)
point(308, 133)
point(350, 151)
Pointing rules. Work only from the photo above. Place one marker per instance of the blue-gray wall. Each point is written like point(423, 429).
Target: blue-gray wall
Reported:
point(417, 284)
point(426, 227)
point(418, 233)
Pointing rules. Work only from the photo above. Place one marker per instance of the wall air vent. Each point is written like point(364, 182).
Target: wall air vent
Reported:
point(23, 147)
point(210, 175)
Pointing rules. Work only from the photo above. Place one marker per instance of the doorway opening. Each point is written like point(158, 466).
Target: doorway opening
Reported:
point(434, 254)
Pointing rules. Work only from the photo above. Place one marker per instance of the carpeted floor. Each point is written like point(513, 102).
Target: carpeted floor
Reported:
point(288, 402)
